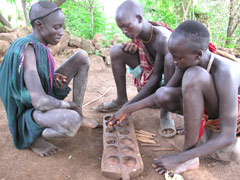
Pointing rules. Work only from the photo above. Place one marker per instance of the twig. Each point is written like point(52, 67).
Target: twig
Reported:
point(145, 132)
point(150, 145)
point(96, 98)
point(164, 149)
point(144, 135)
point(145, 140)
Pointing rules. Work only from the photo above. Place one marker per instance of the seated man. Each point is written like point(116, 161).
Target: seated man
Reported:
point(145, 56)
point(209, 83)
point(32, 93)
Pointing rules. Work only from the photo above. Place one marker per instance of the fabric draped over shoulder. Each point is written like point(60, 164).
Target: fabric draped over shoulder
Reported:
point(146, 61)
point(14, 93)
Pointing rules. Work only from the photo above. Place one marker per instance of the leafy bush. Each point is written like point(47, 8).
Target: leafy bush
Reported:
point(78, 18)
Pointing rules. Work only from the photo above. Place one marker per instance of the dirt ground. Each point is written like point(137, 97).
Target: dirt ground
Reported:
point(81, 155)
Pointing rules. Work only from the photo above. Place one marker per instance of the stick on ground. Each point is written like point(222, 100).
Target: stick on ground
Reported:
point(96, 98)
point(145, 132)
point(150, 145)
point(164, 149)
point(145, 140)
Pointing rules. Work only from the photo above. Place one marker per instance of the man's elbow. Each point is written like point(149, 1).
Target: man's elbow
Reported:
point(154, 82)
point(231, 140)
point(40, 103)
point(228, 140)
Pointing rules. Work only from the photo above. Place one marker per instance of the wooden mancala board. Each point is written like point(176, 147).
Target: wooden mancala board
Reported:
point(121, 157)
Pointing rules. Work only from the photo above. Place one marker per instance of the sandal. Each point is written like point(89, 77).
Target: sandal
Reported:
point(166, 124)
point(109, 106)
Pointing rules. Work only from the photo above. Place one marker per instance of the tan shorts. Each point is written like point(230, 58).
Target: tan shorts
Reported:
point(229, 153)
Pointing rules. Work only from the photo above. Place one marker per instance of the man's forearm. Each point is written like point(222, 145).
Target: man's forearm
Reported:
point(209, 147)
point(148, 89)
point(144, 103)
point(46, 102)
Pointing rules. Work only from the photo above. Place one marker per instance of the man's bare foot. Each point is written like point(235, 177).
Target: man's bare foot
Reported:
point(90, 123)
point(44, 148)
point(187, 166)
point(165, 163)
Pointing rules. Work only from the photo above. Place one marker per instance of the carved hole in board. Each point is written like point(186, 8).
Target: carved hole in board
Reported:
point(113, 161)
point(106, 118)
point(111, 129)
point(111, 149)
point(124, 124)
point(129, 161)
point(126, 141)
point(124, 131)
point(127, 151)
point(111, 140)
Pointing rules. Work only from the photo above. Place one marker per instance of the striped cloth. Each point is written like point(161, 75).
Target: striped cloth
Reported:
point(146, 61)
point(214, 124)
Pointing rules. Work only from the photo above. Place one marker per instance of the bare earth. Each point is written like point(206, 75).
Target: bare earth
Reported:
point(81, 155)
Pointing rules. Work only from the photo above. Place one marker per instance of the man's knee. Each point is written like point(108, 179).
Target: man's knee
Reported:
point(116, 52)
point(195, 78)
point(71, 123)
point(82, 57)
point(162, 96)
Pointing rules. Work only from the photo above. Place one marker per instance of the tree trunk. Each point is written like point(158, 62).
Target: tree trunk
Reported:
point(92, 20)
point(185, 6)
point(25, 12)
point(4, 21)
point(59, 2)
point(233, 17)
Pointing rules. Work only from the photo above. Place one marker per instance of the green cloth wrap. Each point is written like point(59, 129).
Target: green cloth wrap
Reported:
point(14, 93)
point(136, 72)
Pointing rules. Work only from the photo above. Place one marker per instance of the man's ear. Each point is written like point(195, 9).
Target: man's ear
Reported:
point(139, 18)
point(38, 24)
point(199, 54)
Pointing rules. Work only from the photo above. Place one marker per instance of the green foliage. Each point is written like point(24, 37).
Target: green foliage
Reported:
point(164, 11)
point(78, 18)
point(214, 14)
point(78, 22)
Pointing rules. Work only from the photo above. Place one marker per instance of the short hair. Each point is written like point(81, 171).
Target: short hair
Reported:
point(41, 10)
point(129, 7)
point(194, 31)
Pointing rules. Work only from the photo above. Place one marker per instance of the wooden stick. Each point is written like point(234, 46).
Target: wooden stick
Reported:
point(141, 132)
point(150, 145)
point(145, 132)
point(164, 149)
point(96, 98)
point(141, 139)
point(144, 135)
point(227, 55)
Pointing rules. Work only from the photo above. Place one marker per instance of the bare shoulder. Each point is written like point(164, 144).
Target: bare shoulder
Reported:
point(30, 58)
point(162, 35)
point(224, 69)
point(225, 65)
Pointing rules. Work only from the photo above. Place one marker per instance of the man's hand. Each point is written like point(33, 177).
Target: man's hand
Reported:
point(59, 80)
point(118, 117)
point(129, 47)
